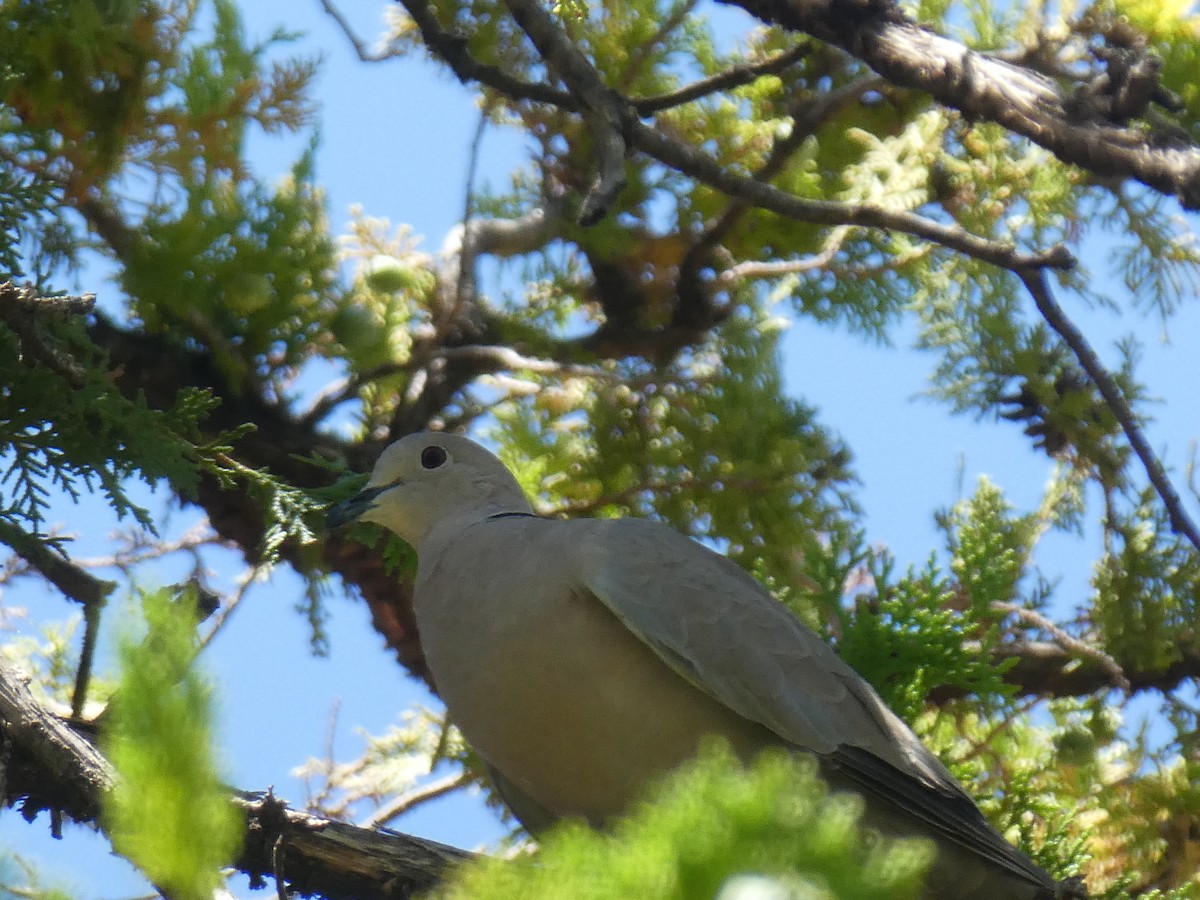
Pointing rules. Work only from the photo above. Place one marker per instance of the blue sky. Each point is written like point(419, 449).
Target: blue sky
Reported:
point(394, 138)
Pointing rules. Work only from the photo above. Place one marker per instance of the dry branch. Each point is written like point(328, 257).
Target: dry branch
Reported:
point(50, 766)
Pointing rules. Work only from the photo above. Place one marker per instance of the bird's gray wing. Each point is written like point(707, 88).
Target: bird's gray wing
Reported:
point(718, 628)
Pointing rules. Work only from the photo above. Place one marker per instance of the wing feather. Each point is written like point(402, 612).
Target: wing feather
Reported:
point(721, 630)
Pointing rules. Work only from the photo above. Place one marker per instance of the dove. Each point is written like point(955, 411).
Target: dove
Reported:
point(584, 659)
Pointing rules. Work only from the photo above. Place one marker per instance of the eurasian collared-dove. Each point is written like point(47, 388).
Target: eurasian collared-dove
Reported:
point(583, 659)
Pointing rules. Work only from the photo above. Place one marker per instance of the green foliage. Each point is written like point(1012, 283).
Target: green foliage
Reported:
point(1160, 267)
point(398, 558)
point(238, 266)
point(709, 825)
point(928, 629)
point(989, 546)
point(1147, 590)
point(130, 118)
point(85, 437)
point(908, 638)
point(634, 452)
point(24, 199)
point(390, 299)
point(170, 813)
point(290, 513)
point(80, 68)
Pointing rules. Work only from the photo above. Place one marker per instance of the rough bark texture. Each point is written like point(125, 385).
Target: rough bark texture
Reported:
point(49, 766)
point(1084, 126)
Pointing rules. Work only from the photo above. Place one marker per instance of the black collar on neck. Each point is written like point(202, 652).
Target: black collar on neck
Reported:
point(513, 515)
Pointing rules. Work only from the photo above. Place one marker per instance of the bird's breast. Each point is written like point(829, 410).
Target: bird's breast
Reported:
point(552, 689)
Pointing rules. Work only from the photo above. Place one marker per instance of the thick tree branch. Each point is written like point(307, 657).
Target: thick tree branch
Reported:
point(1027, 103)
point(50, 766)
point(315, 855)
point(1047, 669)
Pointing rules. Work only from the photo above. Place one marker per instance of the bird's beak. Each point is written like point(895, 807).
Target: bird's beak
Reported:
point(352, 510)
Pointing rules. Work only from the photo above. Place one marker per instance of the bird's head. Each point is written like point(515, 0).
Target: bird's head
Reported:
point(429, 479)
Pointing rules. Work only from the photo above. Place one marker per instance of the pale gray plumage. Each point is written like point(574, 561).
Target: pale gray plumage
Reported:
point(583, 659)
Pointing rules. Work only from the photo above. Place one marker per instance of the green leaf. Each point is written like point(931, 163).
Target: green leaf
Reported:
point(170, 813)
point(713, 825)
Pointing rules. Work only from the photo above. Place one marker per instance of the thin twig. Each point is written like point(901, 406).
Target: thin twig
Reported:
point(139, 550)
point(410, 800)
point(464, 287)
point(733, 77)
point(320, 800)
point(752, 269)
point(603, 109)
point(1037, 284)
point(1068, 641)
point(227, 609)
point(359, 47)
point(87, 653)
point(344, 390)
point(778, 268)
point(690, 161)
point(505, 357)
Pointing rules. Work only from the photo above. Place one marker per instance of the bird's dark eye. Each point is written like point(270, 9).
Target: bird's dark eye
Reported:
point(433, 456)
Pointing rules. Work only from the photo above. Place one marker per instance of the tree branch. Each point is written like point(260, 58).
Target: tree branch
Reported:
point(412, 799)
point(355, 41)
point(1047, 669)
point(882, 35)
point(694, 163)
point(52, 767)
point(1038, 286)
point(71, 580)
point(452, 49)
point(21, 309)
point(1067, 641)
point(733, 77)
point(603, 109)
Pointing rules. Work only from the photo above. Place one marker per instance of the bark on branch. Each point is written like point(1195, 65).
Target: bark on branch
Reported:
point(678, 155)
point(1025, 102)
point(50, 766)
point(1047, 669)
